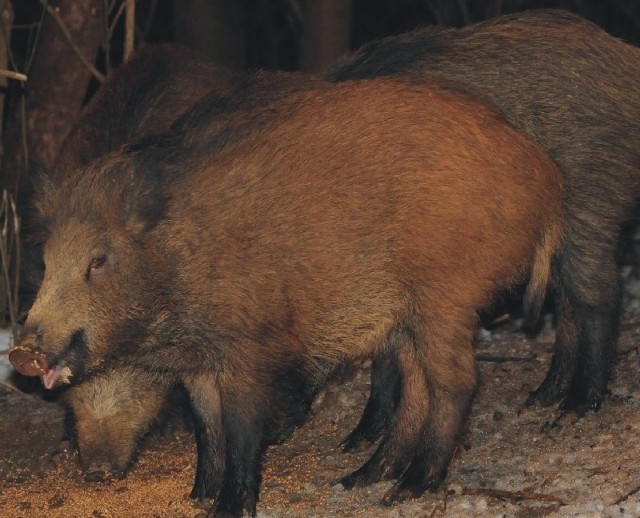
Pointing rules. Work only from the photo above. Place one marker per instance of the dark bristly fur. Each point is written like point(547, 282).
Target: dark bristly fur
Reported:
point(322, 224)
point(113, 410)
point(576, 91)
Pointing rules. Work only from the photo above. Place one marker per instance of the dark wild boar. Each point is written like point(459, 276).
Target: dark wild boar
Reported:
point(140, 98)
point(331, 223)
point(575, 90)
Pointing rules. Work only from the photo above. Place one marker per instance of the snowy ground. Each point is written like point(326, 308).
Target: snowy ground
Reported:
point(5, 342)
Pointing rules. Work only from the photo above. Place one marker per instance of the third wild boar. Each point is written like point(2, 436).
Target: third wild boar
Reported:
point(575, 90)
point(330, 223)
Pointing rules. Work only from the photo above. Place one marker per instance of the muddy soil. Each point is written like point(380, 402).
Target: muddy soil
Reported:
point(513, 461)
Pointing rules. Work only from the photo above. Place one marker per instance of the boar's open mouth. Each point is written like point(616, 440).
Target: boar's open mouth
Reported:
point(69, 363)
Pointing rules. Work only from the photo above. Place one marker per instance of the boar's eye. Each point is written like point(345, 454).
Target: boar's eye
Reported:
point(94, 263)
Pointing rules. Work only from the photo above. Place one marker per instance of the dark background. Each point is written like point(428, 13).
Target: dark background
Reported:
point(271, 33)
point(276, 34)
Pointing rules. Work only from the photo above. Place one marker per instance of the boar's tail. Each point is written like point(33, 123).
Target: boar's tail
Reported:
point(540, 272)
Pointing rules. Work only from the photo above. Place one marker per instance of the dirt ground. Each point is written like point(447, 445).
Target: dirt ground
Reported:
point(513, 461)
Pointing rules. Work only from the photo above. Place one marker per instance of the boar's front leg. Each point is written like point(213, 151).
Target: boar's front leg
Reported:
point(588, 306)
point(204, 393)
point(243, 417)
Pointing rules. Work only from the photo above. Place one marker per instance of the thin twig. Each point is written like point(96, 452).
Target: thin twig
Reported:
point(25, 139)
point(441, 508)
point(16, 275)
point(106, 44)
point(626, 496)
point(116, 17)
point(34, 46)
point(624, 352)
point(492, 358)
point(9, 235)
point(13, 75)
point(10, 387)
point(110, 7)
point(65, 31)
point(129, 28)
point(5, 37)
point(511, 495)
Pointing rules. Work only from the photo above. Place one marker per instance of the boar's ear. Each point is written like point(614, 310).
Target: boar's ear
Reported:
point(146, 199)
point(38, 194)
point(41, 185)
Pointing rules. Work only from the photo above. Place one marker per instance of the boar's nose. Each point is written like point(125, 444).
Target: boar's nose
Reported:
point(26, 359)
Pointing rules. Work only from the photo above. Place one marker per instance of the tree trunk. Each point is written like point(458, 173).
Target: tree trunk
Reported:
point(327, 30)
point(56, 86)
point(214, 28)
point(6, 14)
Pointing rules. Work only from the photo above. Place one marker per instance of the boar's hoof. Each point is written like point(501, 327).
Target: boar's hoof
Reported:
point(27, 361)
point(583, 397)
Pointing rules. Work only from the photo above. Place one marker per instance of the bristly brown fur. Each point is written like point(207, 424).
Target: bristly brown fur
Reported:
point(328, 223)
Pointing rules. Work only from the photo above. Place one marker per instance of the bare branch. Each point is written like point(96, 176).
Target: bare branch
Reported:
point(13, 75)
point(511, 495)
point(627, 495)
point(115, 20)
point(54, 13)
point(130, 28)
point(494, 358)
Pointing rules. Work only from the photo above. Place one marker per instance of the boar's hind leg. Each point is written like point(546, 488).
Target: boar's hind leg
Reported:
point(449, 364)
point(555, 386)
point(587, 329)
point(207, 416)
point(597, 322)
point(401, 440)
point(381, 405)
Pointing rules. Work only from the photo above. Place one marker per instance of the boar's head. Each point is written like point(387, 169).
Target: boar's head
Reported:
point(101, 267)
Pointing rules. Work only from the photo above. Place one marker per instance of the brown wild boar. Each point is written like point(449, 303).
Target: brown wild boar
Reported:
point(112, 411)
point(575, 90)
point(330, 223)
point(140, 98)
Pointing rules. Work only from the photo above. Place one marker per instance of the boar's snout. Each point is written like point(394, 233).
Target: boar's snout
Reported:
point(27, 359)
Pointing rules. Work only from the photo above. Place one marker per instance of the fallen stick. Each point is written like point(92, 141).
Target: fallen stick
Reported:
point(511, 495)
point(626, 496)
point(502, 359)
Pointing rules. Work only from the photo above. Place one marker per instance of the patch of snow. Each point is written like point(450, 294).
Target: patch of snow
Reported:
point(6, 340)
